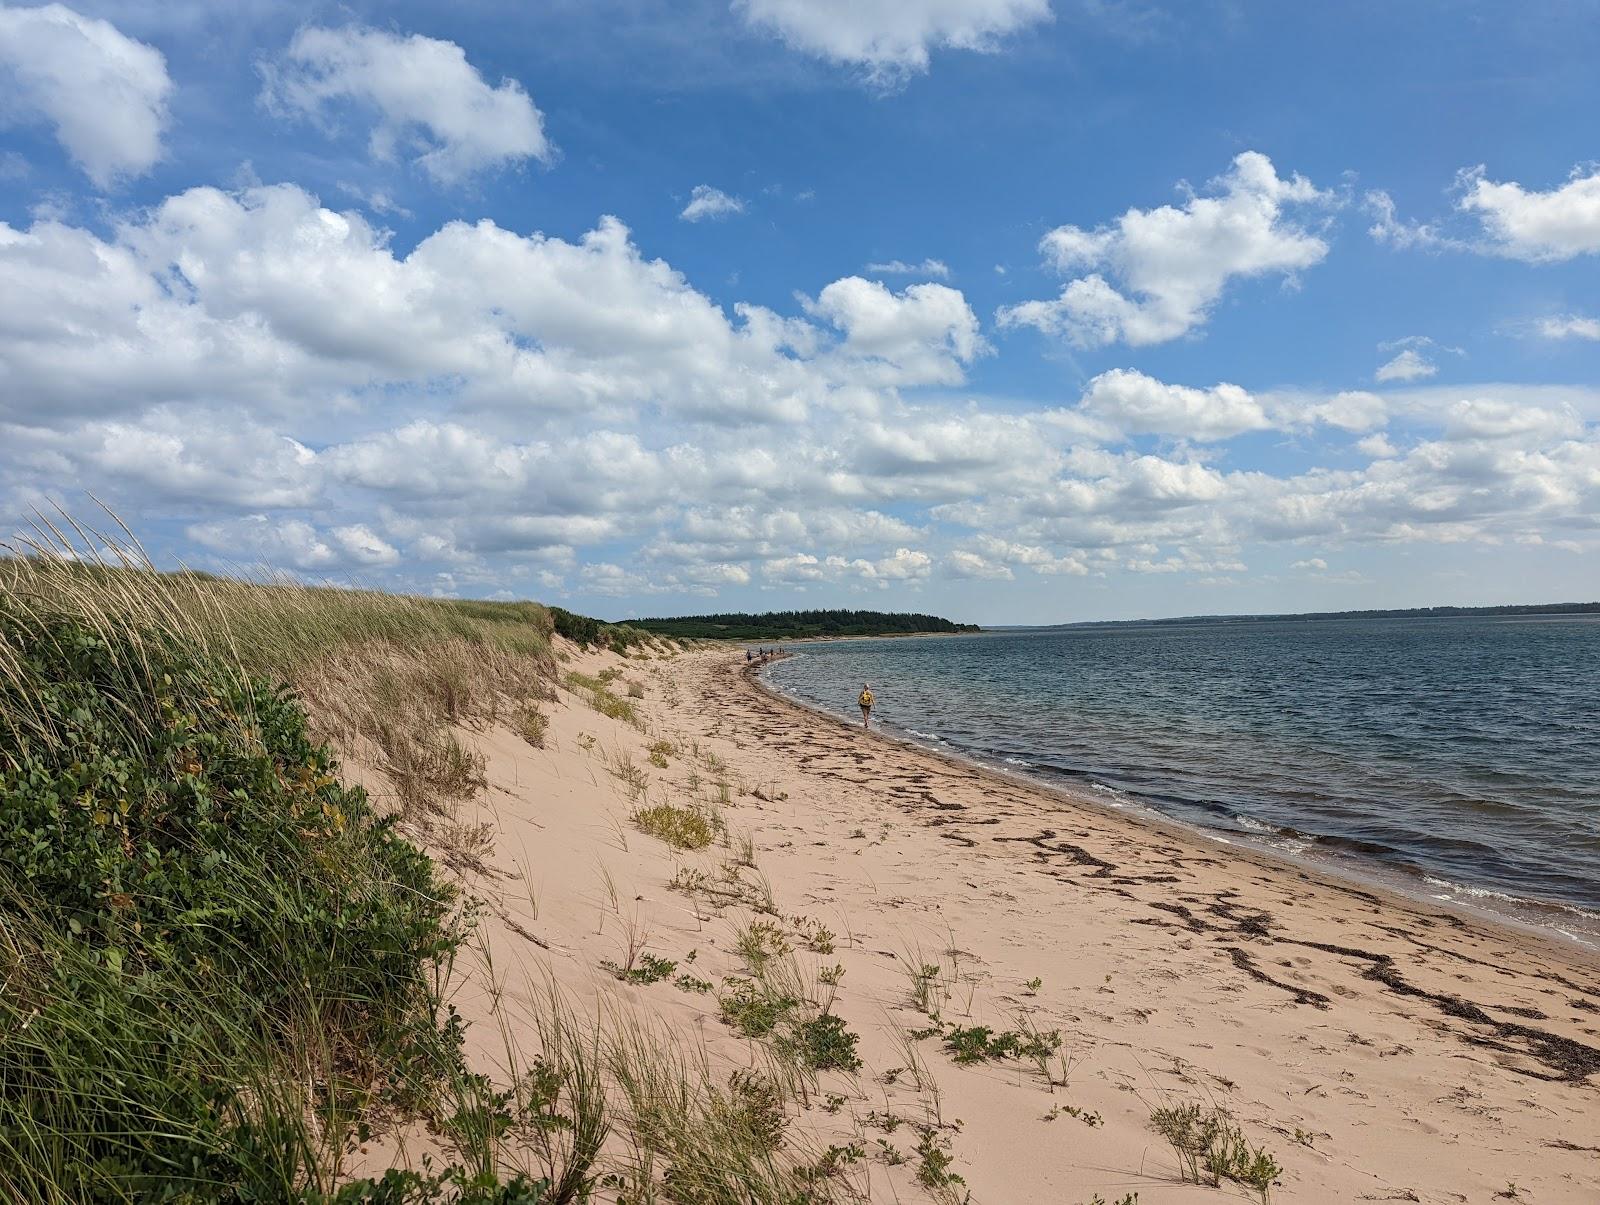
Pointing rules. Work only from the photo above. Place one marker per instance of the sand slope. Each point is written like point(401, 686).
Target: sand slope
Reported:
point(1382, 1050)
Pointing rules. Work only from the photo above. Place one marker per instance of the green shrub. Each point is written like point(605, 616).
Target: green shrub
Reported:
point(680, 827)
point(752, 1009)
point(822, 1044)
point(979, 1044)
point(197, 920)
point(454, 1187)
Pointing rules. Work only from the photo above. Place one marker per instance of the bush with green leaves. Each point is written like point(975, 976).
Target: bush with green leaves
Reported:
point(207, 942)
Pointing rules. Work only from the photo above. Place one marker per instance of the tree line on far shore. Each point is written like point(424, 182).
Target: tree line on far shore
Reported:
point(795, 625)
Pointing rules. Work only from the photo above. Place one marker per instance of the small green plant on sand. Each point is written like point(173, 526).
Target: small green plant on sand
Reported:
point(751, 1009)
point(835, 1159)
point(531, 725)
point(980, 1044)
point(927, 993)
point(1088, 1118)
point(753, 1109)
point(660, 752)
point(822, 1044)
point(632, 775)
point(648, 969)
point(600, 696)
point(760, 942)
point(680, 827)
point(934, 1160)
point(1211, 1148)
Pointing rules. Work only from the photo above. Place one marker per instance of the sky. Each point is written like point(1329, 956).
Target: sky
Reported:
point(1016, 311)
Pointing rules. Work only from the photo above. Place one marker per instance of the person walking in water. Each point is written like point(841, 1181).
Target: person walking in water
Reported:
point(866, 705)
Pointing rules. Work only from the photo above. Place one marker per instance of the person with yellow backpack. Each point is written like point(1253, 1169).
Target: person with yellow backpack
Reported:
point(866, 705)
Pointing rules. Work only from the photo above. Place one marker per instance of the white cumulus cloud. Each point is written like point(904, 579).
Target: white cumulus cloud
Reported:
point(105, 93)
point(1537, 227)
point(264, 378)
point(295, 543)
point(923, 335)
point(962, 563)
point(427, 99)
point(1154, 275)
point(891, 40)
point(1138, 404)
point(1512, 221)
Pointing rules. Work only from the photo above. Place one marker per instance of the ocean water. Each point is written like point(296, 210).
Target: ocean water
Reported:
point(1456, 758)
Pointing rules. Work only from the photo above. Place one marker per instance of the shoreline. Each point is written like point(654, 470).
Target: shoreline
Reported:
point(1379, 1048)
point(1235, 915)
point(1406, 879)
point(1358, 878)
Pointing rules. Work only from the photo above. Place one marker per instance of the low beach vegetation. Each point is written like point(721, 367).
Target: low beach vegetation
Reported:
point(225, 968)
point(981, 1044)
point(680, 827)
point(596, 633)
point(219, 960)
point(1211, 1148)
point(646, 969)
point(596, 690)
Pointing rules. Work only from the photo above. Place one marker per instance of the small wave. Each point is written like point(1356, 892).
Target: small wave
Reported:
point(1452, 890)
point(1482, 893)
point(1458, 890)
point(927, 736)
point(1251, 825)
point(1113, 797)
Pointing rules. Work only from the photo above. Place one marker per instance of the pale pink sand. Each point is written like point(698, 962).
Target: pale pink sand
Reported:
point(1383, 1050)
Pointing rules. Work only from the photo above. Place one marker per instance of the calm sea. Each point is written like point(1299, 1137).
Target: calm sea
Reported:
point(1459, 758)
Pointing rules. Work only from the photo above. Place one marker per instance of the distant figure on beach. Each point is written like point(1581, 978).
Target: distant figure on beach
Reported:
point(866, 705)
point(748, 654)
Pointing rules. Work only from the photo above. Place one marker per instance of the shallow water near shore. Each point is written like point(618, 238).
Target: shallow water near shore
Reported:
point(1458, 759)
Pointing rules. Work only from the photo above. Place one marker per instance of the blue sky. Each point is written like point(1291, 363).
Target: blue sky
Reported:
point(1015, 310)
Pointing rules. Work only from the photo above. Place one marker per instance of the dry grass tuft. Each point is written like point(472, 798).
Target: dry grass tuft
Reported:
point(385, 678)
point(531, 724)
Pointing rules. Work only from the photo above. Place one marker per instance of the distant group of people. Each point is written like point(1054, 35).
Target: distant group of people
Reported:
point(762, 654)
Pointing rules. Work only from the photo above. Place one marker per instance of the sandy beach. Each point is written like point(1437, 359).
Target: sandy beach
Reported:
point(1381, 1049)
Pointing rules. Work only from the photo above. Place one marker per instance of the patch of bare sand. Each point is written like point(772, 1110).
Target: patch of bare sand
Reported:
point(1382, 1050)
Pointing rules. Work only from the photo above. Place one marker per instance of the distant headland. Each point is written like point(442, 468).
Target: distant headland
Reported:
point(797, 625)
point(1576, 608)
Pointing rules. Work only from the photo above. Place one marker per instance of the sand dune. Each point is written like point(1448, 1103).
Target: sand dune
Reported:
point(1382, 1050)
